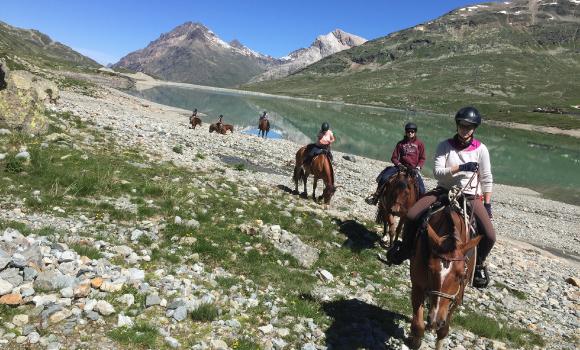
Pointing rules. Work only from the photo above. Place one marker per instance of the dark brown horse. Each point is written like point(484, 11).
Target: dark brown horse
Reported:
point(221, 128)
point(264, 128)
point(195, 121)
point(398, 195)
point(441, 267)
point(321, 168)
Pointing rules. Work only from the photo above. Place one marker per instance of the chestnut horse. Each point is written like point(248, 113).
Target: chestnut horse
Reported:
point(195, 121)
point(442, 265)
point(321, 168)
point(221, 129)
point(264, 128)
point(398, 195)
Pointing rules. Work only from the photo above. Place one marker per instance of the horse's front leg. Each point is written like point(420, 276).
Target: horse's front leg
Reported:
point(443, 332)
point(314, 183)
point(305, 180)
point(417, 324)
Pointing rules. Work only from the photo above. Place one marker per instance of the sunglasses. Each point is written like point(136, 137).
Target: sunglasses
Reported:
point(411, 131)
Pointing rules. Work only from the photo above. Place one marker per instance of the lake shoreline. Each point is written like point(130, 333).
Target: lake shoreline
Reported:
point(144, 84)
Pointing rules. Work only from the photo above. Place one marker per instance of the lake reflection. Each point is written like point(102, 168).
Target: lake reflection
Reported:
point(546, 163)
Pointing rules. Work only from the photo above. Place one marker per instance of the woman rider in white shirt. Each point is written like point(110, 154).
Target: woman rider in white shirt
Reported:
point(456, 160)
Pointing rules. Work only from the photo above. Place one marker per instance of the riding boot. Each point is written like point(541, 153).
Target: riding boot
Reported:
point(480, 275)
point(401, 251)
point(373, 199)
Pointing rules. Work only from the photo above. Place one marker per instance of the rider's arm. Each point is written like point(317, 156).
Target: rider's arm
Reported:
point(442, 171)
point(485, 176)
point(421, 155)
point(395, 155)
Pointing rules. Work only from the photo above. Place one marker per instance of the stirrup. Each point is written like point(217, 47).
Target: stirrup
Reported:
point(480, 276)
point(372, 199)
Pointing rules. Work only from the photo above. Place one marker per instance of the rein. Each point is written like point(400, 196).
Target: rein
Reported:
point(454, 194)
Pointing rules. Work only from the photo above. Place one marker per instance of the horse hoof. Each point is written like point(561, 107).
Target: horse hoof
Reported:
point(413, 343)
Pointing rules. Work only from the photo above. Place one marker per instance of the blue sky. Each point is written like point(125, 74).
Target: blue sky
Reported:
point(106, 30)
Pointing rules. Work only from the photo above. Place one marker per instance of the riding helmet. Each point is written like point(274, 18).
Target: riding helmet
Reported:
point(468, 115)
point(325, 126)
point(410, 126)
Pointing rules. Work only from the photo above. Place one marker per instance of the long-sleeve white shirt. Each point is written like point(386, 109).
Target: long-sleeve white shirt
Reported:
point(448, 156)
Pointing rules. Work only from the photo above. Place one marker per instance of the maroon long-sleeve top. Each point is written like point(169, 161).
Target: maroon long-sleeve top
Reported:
point(410, 153)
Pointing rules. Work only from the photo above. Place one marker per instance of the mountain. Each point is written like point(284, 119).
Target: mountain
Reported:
point(191, 53)
point(39, 48)
point(324, 45)
point(506, 58)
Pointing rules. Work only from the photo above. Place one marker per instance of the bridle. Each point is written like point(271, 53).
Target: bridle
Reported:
point(452, 297)
point(454, 194)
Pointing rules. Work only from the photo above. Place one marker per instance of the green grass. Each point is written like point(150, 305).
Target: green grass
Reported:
point(178, 149)
point(8, 312)
point(205, 313)
point(517, 293)
point(487, 327)
point(85, 250)
point(141, 335)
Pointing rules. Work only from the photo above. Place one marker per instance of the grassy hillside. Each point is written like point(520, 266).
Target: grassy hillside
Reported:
point(39, 49)
point(506, 64)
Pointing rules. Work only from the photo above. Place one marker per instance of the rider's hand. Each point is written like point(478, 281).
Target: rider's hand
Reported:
point(488, 209)
point(471, 166)
point(401, 167)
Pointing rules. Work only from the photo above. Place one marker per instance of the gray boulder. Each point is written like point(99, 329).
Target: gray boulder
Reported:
point(22, 98)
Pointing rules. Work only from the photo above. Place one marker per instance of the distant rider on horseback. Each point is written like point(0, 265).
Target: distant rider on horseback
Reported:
point(456, 160)
point(324, 138)
point(265, 117)
point(409, 154)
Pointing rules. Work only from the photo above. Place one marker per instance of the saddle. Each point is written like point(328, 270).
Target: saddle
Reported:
point(443, 203)
point(312, 151)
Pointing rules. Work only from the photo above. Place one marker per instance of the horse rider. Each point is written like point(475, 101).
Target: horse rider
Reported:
point(193, 115)
point(456, 161)
point(324, 138)
point(219, 124)
point(266, 117)
point(409, 153)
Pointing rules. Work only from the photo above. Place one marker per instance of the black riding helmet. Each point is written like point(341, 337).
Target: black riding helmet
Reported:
point(468, 115)
point(410, 126)
point(324, 126)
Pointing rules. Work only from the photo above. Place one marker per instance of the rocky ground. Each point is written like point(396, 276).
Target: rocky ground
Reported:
point(215, 253)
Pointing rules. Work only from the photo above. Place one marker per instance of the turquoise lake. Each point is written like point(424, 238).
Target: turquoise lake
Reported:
point(549, 164)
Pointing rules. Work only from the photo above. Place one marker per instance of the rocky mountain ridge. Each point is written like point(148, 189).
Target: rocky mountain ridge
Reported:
point(323, 46)
point(192, 53)
point(39, 48)
point(499, 56)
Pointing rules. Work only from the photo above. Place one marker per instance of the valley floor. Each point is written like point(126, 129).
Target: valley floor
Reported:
point(199, 232)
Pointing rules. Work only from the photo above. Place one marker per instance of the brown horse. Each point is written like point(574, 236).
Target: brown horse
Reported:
point(221, 128)
point(398, 195)
point(264, 128)
point(321, 168)
point(195, 121)
point(441, 267)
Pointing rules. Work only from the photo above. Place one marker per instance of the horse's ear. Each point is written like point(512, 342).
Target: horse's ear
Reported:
point(437, 241)
point(469, 245)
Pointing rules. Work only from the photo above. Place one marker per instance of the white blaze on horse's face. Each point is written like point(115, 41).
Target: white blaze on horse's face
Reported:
point(446, 277)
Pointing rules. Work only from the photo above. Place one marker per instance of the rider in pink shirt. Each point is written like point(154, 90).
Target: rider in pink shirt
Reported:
point(324, 138)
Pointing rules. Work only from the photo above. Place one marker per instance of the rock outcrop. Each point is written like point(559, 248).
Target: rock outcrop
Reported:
point(22, 98)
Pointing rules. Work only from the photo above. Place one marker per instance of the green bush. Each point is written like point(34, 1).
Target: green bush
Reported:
point(205, 313)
